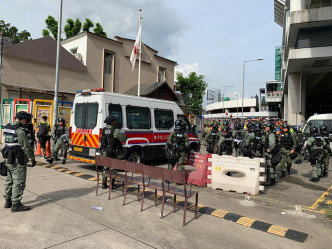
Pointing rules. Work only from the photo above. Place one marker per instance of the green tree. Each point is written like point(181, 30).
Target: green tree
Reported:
point(45, 32)
point(72, 29)
point(87, 25)
point(99, 30)
point(12, 32)
point(192, 89)
point(52, 26)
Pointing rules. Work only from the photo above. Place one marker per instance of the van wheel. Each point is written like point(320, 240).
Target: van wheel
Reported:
point(135, 157)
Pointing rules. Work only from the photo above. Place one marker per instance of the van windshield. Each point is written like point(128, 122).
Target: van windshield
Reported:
point(318, 123)
point(86, 115)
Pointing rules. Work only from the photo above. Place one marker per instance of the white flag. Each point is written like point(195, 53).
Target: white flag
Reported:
point(135, 49)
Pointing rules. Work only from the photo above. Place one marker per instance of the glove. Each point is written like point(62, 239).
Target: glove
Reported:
point(33, 163)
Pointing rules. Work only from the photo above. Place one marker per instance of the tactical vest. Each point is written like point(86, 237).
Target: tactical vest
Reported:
point(108, 143)
point(286, 141)
point(43, 129)
point(257, 146)
point(178, 141)
point(325, 135)
point(60, 130)
point(11, 140)
point(267, 143)
point(318, 141)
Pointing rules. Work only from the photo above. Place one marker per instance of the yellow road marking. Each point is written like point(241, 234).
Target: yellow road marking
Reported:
point(244, 221)
point(69, 171)
point(61, 170)
point(45, 165)
point(277, 230)
point(321, 199)
point(79, 174)
point(219, 213)
point(92, 179)
point(55, 167)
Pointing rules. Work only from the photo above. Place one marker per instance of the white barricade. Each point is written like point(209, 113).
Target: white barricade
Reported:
point(245, 180)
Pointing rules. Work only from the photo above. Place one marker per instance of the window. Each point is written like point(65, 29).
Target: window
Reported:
point(108, 62)
point(116, 110)
point(138, 117)
point(164, 119)
point(162, 74)
point(314, 4)
point(86, 115)
point(79, 114)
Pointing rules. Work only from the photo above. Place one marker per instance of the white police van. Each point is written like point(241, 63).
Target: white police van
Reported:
point(146, 122)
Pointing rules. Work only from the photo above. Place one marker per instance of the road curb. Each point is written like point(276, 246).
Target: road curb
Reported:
point(226, 215)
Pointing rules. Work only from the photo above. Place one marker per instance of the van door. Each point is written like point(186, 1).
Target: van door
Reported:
point(83, 137)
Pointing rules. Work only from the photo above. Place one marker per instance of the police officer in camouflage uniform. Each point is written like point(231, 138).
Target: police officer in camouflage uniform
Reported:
point(327, 150)
point(60, 136)
point(288, 145)
point(270, 149)
point(17, 152)
point(257, 141)
point(178, 142)
point(226, 142)
point(237, 135)
point(212, 139)
point(315, 144)
point(110, 144)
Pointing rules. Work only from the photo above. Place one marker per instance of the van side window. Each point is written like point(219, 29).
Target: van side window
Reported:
point(138, 117)
point(86, 115)
point(116, 110)
point(164, 119)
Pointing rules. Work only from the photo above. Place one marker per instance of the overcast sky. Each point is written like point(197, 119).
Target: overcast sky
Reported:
point(211, 37)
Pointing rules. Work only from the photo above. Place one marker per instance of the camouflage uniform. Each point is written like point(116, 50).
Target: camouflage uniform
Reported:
point(327, 154)
point(179, 142)
point(226, 145)
point(18, 147)
point(315, 146)
point(237, 135)
point(119, 137)
point(212, 140)
point(271, 145)
point(287, 144)
point(58, 144)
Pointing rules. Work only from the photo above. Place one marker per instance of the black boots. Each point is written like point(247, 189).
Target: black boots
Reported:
point(50, 160)
point(19, 207)
point(8, 204)
point(288, 171)
point(64, 161)
point(314, 179)
point(283, 174)
point(104, 184)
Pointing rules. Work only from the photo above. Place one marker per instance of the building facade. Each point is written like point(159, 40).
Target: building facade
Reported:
point(306, 57)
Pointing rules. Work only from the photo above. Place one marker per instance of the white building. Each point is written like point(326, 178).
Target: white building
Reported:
point(307, 57)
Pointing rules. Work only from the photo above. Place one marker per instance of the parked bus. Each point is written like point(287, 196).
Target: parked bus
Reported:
point(147, 123)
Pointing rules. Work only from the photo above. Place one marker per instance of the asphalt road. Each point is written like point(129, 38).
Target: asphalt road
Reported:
point(62, 215)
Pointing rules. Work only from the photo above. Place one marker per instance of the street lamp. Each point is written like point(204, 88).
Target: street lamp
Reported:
point(244, 70)
point(237, 104)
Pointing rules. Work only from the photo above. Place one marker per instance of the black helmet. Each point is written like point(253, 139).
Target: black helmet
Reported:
point(313, 130)
point(284, 125)
point(23, 115)
point(215, 128)
point(322, 128)
point(251, 127)
point(238, 126)
point(109, 119)
point(257, 127)
point(225, 131)
point(268, 124)
point(61, 120)
point(180, 125)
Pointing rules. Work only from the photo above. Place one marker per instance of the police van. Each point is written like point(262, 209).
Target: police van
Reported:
point(146, 122)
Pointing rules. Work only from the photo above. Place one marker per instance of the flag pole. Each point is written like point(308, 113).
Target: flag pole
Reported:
point(140, 53)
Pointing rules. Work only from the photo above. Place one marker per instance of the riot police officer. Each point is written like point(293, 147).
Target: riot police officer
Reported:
point(327, 150)
point(60, 137)
point(226, 142)
point(287, 146)
point(177, 146)
point(257, 140)
point(110, 144)
point(315, 145)
point(247, 136)
point(17, 152)
point(270, 150)
point(237, 135)
point(212, 139)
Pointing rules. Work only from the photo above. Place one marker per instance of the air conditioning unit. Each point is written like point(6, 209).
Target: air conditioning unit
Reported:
point(78, 56)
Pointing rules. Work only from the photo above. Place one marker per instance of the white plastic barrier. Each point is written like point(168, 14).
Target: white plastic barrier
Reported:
point(249, 180)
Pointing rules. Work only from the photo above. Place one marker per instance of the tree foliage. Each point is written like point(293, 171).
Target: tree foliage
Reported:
point(99, 30)
point(192, 89)
point(72, 28)
point(52, 26)
point(12, 32)
point(87, 25)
